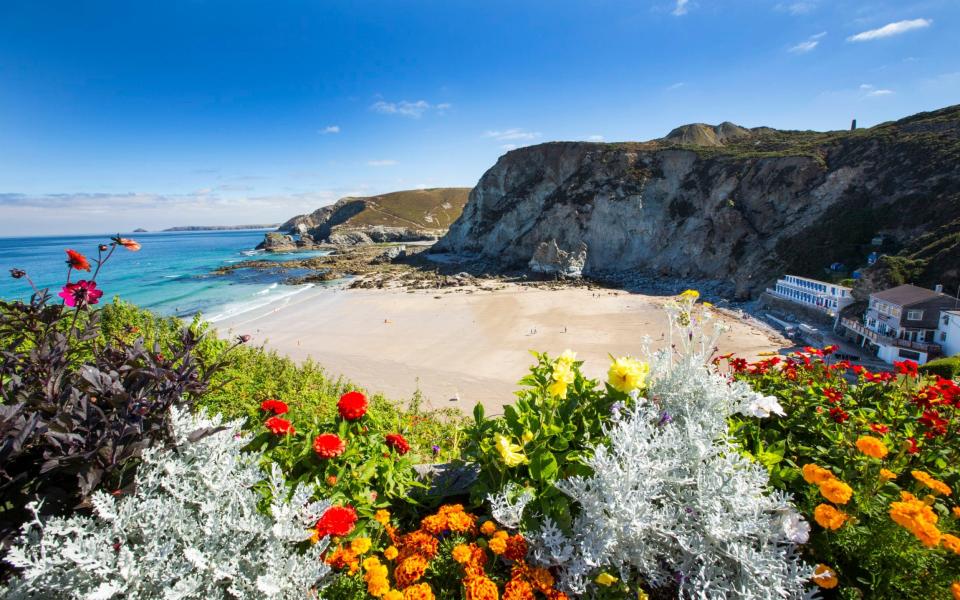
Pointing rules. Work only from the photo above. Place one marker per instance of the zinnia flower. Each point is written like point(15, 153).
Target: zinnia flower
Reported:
point(81, 293)
point(337, 520)
point(398, 443)
point(275, 406)
point(280, 426)
point(627, 374)
point(871, 446)
point(352, 406)
point(825, 577)
point(828, 517)
point(328, 445)
point(511, 453)
point(77, 261)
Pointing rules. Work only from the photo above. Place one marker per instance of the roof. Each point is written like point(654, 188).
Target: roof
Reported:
point(902, 295)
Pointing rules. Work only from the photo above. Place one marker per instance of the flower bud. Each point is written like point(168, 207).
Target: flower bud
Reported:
point(243, 339)
point(17, 273)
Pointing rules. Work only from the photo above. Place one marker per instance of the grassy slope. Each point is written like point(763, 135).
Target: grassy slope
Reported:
point(434, 208)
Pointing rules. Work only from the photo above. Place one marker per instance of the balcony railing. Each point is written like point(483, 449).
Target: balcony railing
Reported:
point(886, 340)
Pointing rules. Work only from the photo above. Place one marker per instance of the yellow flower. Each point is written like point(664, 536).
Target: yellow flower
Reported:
point(872, 447)
point(378, 586)
point(391, 552)
point(360, 545)
point(488, 528)
point(527, 436)
point(382, 516)
point(370, 562)
point(706, 305)
point(562, 377)
point(558, 389)
point(642, 595)
point(836, 491)
point(627, 374)
point(606, 579)
point(935, 485)
point(511, 453)
point(393, 595)
point(815, 474)
point(461, 553)
point(825, 577)
point(950, 542)
point(828, 517)
point(887, 475)
point(567, 358)
point(691, 295)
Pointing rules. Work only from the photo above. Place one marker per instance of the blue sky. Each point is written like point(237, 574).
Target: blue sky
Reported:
point(119, 114)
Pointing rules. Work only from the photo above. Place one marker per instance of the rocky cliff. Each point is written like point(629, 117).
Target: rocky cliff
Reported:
point(398, 216)
point(720, 202)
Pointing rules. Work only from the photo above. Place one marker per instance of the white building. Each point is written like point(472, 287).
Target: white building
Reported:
point(829, 298)
point(948, 332)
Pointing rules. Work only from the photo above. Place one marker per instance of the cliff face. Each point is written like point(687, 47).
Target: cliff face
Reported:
point(724, 202)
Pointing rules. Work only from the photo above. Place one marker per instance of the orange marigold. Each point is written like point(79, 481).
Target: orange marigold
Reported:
point(887, 475)
point(461, 553)
point(516, 548)
point(956, 511)
point(480, 588)
point(517, 589)
point(418, 542)
point(478, 558)
point(391, 552)
point(950, 542)
point(460, 522)
point(421, 591)
point(836, 491)
point(488, 528)
point(382, 516)
point(872, 446)
point(934, 484)
point(498, 544)
point(955, 590)
point(815, 474)
point(556, 595)
point(378, 586)
point(393, 595)
point(409, 570)
point(825, 577)
point(916, 517)
point(541, 579)
point(343, 558)
point(829, 517)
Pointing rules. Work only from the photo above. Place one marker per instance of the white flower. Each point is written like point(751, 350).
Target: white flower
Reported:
point(763, 407)
point(796, 529)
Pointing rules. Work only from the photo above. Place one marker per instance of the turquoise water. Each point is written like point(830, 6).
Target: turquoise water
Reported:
point(171, 275)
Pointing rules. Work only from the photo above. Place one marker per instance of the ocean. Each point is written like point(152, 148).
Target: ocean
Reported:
point(171, 275)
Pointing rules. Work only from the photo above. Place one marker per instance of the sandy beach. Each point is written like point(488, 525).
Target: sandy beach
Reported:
point(460, 348)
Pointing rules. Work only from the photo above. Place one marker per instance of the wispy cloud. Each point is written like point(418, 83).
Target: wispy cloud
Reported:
point(870, 91)
point(330, 129)
point(797, 8)
point(404, 108)
point(890, 29)
point(809, 44)
point(680, 8)
point(509, 147)
point(595, 138)
point(675, 86)
point(512, 134)
point(381, 163)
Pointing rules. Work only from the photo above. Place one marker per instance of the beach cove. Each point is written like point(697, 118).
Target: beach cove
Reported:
point(463, 346)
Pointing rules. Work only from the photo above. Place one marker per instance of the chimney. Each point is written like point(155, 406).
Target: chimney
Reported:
point(938, 289)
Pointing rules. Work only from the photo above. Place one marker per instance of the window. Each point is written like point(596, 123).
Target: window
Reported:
point(909, 354)
point(914, 315)
point(943, 336)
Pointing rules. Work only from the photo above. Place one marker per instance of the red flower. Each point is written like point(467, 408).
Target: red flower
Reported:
point(398, 443)
point(812, 350)
point(878, 428)
point(860, 370)
point(80, 293)
point(328, 445)
point(275, 406)
point(352, 406)
point(280, 426)
point(833, 395)
point(337, 520)
point(935, 424)
point(516, 548)
point(77, 261)
point(882, 377)
point(828, 350)
point(912, 448)
point(839, 415)
point(739, 365)
point(907, 367)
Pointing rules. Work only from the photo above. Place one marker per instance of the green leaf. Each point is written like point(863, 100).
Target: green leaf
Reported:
point(543, 465)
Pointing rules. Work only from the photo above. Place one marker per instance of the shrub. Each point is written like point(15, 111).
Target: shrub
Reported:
point(947, 367)
point(77, 410)
point(671, 505)
point(856, 450)
point(190, 530)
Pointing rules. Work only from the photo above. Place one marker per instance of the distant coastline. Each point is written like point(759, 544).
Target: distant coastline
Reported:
point(220, 227)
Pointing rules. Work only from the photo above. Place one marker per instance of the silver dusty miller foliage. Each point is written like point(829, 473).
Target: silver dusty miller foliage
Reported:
point(672, 502)
point(190, 531)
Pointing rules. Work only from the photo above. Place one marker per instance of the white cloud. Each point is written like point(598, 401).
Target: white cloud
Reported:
point(890, 29)
point(404, 108)
point(675, 86)
point(381, 163)
point(806, 46)
point(797, 8)
point(509, 147)
point(512, 134)
point(330, 129)
point(871, 91)
point(681, 8)
point(595, 138)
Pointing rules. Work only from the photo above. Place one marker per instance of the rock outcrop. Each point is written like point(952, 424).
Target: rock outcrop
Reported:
point(723, 203)
point(279, 242)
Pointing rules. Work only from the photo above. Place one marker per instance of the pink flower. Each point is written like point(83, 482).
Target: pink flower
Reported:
point(80, 293)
